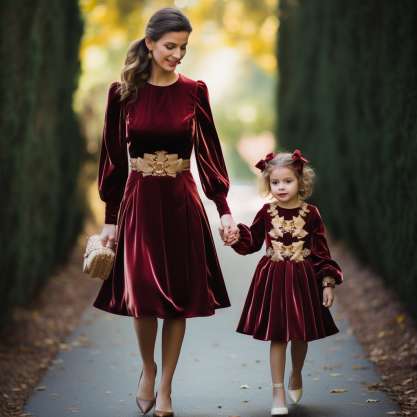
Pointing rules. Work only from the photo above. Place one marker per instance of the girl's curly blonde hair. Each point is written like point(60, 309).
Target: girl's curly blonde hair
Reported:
point(285, 159)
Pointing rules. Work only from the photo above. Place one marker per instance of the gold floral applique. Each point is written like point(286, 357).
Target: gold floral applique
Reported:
point(295, 226)
point(294, 252)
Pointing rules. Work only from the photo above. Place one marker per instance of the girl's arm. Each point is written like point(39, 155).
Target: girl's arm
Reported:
point(327, 270)
point(251, 238)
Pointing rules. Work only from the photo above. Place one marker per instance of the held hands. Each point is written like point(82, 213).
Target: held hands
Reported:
point(228, 230)
point(108, 235)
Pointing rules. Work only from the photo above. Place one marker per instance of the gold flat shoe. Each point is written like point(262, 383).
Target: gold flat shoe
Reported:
point(145, 405)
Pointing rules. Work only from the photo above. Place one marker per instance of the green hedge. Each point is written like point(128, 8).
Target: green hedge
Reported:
point(41, 148)
point(348, 99)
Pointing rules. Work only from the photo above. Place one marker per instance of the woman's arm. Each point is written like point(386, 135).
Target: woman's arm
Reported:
point(113, 163)
point(210, 162)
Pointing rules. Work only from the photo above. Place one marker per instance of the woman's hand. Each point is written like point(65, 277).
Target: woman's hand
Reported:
point(328, 296)
point(108, 235)
point(228, 230)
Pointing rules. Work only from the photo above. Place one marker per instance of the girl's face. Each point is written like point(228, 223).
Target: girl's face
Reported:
point(168, 51)
point(284, 185)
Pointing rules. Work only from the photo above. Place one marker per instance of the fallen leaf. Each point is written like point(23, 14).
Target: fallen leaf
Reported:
point(338, 390)
point(357, 367)
point(374, 386)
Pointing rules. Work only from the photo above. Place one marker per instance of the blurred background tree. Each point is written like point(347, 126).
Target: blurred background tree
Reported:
point(41, 146)
point(348, 98)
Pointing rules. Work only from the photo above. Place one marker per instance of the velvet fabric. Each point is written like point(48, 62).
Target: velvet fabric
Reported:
point(166, 264)
point(285, 298)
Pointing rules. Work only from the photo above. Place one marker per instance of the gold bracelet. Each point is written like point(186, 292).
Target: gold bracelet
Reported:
point(329, 280)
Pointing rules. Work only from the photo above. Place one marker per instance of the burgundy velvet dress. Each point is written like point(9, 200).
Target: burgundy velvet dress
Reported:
point(285, 297)
point(166, 264)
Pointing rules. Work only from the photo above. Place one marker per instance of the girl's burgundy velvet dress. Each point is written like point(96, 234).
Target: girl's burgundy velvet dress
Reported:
point(166, 264)
point(285, 297)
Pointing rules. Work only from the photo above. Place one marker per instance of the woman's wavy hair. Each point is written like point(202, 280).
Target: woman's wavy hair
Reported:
point(137, 68)
point(284, 159)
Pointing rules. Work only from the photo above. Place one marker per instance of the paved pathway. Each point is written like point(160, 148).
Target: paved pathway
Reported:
point(97, 375)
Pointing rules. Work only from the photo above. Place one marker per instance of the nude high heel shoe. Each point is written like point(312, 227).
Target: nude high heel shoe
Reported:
point(145, 405)
point(162, 413)
point(294, 394)
point(279, 411)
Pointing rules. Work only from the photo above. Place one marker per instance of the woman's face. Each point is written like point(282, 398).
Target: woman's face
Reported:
point(168, 51)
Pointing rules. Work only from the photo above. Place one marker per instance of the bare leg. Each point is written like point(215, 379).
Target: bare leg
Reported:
point(277, 363)
point(298, 355)
point(146, 328)
point(172, 337)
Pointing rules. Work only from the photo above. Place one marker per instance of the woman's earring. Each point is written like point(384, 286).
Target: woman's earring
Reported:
point(150, 54)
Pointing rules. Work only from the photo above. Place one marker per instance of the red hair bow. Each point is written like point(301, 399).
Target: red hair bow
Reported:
point(298, 160)
point(264, 162)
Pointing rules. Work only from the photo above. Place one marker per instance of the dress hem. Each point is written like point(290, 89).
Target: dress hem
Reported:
point(285, 340)
point(160, 316)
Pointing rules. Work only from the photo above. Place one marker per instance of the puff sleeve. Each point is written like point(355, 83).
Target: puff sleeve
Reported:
point(113, 163)
point(208, 152)
point(251, 238)
point(323, 264)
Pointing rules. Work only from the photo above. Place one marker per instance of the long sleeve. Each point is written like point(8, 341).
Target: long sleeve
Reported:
point(323, 264)
point(251, 238)
point(208, 152)
point(113, 165)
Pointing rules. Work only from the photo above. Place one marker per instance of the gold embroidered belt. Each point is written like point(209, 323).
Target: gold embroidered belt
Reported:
point(159, 163)
point(293, 252)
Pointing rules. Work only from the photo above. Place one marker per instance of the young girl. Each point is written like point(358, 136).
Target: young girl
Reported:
point(292, 287)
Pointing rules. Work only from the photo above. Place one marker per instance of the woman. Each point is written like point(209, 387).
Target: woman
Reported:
point(166, 264)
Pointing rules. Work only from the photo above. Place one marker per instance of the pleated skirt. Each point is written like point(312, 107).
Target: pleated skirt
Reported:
point(284, 303)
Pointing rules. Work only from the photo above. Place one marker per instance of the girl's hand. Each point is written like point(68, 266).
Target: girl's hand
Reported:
point(108, 235)
point(328, 296)
point(232, 242)
point(229, 232)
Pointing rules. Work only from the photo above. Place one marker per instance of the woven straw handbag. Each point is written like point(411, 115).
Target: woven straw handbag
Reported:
point(98, 259)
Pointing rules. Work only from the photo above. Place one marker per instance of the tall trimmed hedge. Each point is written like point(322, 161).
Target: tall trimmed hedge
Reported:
point(348, 99)
point(41, 148)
